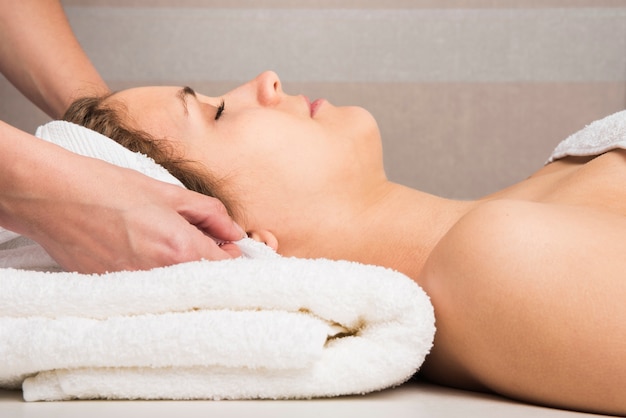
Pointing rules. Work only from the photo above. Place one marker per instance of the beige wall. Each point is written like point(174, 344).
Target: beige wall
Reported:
point(469, 95)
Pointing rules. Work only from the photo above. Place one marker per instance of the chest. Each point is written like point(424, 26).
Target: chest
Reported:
point(598, 182)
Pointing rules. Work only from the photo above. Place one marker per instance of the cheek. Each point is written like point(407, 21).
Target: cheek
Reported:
point(275, 163)
point(273, 144)
point(275, 178)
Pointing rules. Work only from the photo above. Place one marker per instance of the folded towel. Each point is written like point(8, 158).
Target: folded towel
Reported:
point(260, 326)
point(596, 138)
point(269, 327)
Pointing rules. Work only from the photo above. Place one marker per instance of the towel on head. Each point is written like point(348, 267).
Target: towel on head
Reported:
point(260, 326)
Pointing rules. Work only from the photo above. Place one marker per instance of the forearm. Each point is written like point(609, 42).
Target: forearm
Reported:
point(40, 55)
point(23, 174)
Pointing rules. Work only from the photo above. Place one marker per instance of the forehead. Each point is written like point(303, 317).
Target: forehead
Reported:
point(147, 95)
point(141, 102)
point(155, 109)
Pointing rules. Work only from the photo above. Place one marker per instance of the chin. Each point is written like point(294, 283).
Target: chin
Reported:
point(365, 137)
point(363, 120)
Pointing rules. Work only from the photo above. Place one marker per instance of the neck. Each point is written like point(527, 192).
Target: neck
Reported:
point(397, 228)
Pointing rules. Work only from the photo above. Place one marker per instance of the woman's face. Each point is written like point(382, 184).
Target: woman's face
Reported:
point(275, 153)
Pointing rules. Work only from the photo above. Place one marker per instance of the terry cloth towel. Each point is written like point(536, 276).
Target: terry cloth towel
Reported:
point(260, 326)
point(596, 138)
point(269, 327)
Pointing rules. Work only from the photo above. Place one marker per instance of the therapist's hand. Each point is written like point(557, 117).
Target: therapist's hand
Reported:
point(135, 223)
point(94, 217)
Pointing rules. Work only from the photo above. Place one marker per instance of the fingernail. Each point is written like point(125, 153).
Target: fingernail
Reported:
point(241, 230)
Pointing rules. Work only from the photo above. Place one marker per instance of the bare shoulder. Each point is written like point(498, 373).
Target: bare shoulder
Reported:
point(505, 232)
point(520, 291)
point(508, 241)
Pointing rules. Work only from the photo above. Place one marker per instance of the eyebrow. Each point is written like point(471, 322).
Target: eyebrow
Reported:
point(183, 94)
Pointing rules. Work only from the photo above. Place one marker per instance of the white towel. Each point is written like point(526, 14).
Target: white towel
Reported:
point(596, 138)
point(260, 326)
point(89, 143)
point(245, 328)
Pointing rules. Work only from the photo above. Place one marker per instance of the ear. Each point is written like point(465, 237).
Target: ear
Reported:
point(264, 236)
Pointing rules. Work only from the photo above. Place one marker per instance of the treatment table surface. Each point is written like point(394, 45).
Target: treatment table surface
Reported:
point(413, 399)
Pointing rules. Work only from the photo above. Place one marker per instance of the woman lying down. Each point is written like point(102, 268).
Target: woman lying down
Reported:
point(528, 284)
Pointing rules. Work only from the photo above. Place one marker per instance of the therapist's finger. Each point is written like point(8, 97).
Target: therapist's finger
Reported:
point(209, 215)
point(198, 246)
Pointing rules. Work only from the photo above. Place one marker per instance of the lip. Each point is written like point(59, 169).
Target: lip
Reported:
point(314, 105)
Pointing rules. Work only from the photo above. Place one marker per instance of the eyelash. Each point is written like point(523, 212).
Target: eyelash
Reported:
point(220, 110)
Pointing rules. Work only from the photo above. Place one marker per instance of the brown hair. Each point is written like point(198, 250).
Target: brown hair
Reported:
point(93, 113)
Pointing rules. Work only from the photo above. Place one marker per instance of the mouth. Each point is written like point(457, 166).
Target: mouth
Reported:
point(314, 106)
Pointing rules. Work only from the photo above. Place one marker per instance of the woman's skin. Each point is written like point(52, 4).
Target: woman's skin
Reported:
point(527, 283)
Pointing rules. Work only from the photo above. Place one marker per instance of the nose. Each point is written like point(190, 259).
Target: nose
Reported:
point(268, 87)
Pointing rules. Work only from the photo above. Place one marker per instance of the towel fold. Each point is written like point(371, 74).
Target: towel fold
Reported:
point(260, 326)
point(263, 339)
